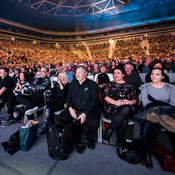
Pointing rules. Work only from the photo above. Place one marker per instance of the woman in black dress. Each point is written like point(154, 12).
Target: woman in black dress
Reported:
point(120, 98)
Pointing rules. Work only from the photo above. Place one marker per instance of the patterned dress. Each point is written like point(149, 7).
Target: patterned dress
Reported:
point(117, 91)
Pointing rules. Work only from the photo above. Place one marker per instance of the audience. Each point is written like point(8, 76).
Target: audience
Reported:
point(34, 61)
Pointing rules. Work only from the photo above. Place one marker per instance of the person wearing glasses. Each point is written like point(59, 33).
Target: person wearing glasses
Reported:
point(37, 90)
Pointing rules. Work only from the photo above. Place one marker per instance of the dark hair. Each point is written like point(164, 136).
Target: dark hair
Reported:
point(5, 69)
point(156, 62)
point(25, 75)
point(162, 72)
point(121, 68)
point(83, 67)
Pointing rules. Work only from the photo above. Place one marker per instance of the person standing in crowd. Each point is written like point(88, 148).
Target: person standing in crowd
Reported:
point(82, 106)
point(158, 111)
point(59, 93)
point(38, 90)
point(6, 86)
point(120, 98)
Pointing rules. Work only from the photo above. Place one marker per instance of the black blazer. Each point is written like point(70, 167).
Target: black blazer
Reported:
point(91, 96)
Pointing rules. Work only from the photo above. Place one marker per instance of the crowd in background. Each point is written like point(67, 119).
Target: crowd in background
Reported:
point(34, 67)
point(15, 53)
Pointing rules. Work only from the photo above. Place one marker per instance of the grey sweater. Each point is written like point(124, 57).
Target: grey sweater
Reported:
point(164, 94)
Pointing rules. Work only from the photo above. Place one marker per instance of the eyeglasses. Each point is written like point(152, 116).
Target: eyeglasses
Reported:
point(42, 71)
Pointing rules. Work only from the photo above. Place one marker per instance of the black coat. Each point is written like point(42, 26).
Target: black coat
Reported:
point(91, 96)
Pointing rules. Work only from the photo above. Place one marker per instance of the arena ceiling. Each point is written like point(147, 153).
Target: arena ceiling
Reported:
point(82, 16)
point(74, 7)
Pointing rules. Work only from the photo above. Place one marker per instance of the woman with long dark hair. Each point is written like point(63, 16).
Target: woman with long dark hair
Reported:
point(158, 111)
point(21, 88)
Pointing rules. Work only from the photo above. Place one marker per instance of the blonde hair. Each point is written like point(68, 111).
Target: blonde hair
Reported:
point(66, 80)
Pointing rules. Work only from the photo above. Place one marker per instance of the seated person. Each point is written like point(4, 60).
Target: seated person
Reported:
point(120, 98)
point(37, 91)
point(156, 64)
point(21, 88)
point(82, 105)
point(102, 78)
point(159, 111)
point(132, 76)
point(6, 86)
point(58, 98)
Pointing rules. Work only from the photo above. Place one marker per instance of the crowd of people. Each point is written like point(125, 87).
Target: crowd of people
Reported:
point(162, 45)
point(17, 53)
point(28, 78)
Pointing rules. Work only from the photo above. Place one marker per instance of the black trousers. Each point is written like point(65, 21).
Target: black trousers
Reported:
point(3, 101)
point(56, 103)
point(152, 134)
point(11, 103)
point(92, 119)
point(31, 101)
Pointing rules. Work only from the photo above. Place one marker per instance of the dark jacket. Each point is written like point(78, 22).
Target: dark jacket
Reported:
point(135, 80)
point(91, 97)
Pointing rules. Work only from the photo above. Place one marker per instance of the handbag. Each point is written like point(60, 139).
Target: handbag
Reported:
point(28, 135)
point(164, 157)
point(133, 151)
point(12, 145)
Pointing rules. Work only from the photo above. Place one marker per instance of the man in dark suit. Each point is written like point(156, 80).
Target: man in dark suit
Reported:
point(82, 107)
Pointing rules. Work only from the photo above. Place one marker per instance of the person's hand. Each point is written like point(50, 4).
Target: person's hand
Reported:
point(18, 82)
point(119, 103)
point(72, 112)
point(82, 117)
point(127, 102)
point(51, 79)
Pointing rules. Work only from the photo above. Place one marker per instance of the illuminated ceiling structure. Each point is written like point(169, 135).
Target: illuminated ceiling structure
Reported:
point(73, 7)
point(62, 18)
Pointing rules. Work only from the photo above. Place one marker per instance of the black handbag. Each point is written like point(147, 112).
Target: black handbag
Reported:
point(12, 145)
point(133, 151)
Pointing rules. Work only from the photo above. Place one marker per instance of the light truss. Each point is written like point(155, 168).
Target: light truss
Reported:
point(73, 7)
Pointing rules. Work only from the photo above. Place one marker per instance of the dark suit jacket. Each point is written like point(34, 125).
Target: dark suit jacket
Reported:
point(91, 97)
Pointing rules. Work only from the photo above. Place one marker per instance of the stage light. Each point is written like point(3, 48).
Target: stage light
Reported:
point(124, 1)
point(111, 41)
